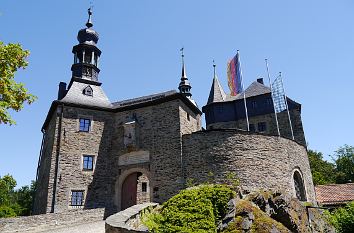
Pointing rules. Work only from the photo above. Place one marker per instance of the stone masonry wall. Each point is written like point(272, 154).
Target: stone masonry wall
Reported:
point(48, 222)
point(158, 132)
point(75, 144)
point(259, 161)
point(44, 192)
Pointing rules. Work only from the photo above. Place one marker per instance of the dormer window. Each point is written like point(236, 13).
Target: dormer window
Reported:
point(88, 91)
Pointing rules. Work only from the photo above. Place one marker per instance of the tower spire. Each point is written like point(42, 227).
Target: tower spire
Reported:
point(184, 86)
point(217, 93)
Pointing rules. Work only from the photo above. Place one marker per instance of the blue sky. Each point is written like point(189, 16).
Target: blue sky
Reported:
point(310, 42)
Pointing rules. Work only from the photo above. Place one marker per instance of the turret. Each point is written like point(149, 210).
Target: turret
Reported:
point(86, 54)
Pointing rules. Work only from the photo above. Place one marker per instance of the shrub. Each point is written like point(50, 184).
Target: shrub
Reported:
point(198, 209)
point(343, 218)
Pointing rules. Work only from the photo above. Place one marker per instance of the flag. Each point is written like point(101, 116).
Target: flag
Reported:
point(278, 95)
point(234, 75)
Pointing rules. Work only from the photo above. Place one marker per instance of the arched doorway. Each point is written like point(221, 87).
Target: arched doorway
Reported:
point(135, 190)
point(299, 186)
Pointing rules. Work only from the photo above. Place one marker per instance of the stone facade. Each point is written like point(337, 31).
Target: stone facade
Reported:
point(259, 161)
point(50, 222)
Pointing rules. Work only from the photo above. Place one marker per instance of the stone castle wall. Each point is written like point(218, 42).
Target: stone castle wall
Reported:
point(154, 149)
point(43, 197)
point(50, 222)
point(259, 161)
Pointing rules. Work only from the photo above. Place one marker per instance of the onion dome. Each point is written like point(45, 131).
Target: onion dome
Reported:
point(88, 35)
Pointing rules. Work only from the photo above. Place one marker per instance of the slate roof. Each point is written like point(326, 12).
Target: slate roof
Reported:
point(217, 93)
point(75, 95)
point(334, 194)
point(143, 99)
point(254, 89)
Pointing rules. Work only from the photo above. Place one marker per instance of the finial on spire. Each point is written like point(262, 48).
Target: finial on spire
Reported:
point(89, 21)
point(214, 68)
point(183, 66)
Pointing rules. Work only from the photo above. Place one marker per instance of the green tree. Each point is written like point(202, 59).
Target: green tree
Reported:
point(323, 172)
point(343, 218)
point(24, 198)
point(344, 159)
point(12, 94)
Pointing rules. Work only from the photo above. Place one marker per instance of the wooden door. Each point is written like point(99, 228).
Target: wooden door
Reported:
point(129, 191)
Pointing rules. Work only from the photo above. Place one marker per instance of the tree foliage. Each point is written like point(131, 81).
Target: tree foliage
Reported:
point(340, 171)
point(15, 202)
point(344, 159)
point(12, 94)
point(323, 172)
point(343, 218)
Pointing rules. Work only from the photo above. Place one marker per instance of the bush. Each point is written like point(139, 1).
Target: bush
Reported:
point(198, 209)
point(7, 212)
point(343, 218)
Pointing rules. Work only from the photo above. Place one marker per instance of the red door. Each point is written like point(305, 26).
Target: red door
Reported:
point(129, 190)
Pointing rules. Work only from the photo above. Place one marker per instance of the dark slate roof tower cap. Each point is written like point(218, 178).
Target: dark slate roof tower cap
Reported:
point(88, 35)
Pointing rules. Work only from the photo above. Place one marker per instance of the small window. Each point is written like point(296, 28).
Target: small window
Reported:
point(87, 163)
point(85, 124)
point(188, 117)
point(77, 198)
point(268, 102)
point(88, 91)
point(252, 128)
point(254, 104)
point(262, 126)
point(144, 187)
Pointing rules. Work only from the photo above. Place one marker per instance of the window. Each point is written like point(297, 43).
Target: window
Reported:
point(87, 163)
point(144, 187)
point(88, 91)
point(299, 187)
point(268, 102)
point(85, 125)
point(188, 117)
point(262, 126)
point(254, 104)
point(252, 128)
point(77, 198)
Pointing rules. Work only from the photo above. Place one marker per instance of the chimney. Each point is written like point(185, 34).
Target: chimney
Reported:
point(62, 90)
point(260, 80)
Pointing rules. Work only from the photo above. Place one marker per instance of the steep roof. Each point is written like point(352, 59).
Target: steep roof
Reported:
point(217, 93)
point(75, 95)
point(254, 89)
point(333, 194)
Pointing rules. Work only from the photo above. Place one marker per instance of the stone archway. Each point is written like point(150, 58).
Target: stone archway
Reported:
point(133, 187)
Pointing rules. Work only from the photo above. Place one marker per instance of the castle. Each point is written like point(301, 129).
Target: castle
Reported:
point(99, 154)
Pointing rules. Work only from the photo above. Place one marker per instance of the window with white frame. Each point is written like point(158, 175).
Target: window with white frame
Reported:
point(77, 198)
point(87, 162)
point(85, 124)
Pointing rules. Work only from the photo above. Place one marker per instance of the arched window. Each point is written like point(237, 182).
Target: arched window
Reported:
point(299, 186)
point(88, 91)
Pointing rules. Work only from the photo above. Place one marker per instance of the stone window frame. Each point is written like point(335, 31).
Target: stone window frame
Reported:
point(297, 169)
point(85, 117)
point(94, 158)
point(80, 189)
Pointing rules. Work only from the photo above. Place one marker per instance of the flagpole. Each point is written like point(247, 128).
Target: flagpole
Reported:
point(287, 108)
point(244, 93)
point(270, 85)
